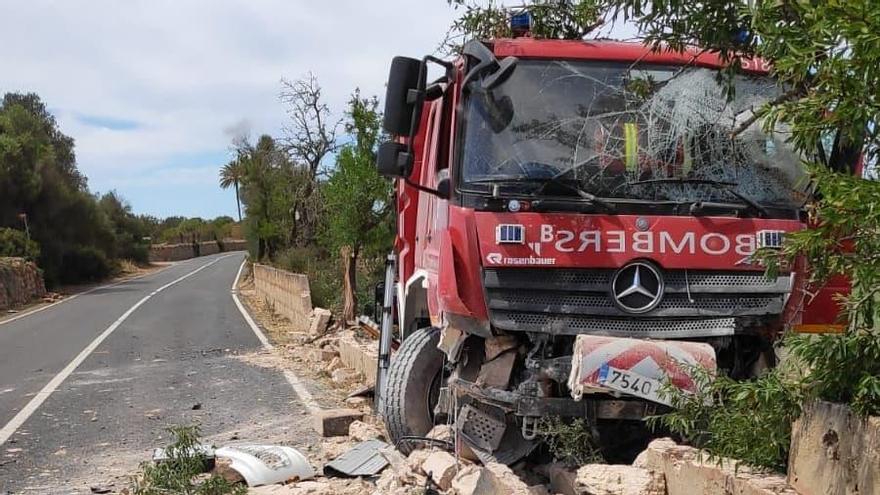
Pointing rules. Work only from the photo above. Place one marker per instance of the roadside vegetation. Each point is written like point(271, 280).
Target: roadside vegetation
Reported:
point(181, 472)
point(313, 200)
point(49, 215)
point(825, 55)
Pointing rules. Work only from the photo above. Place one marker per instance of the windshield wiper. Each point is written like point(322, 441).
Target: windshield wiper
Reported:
point(727, 186)
point(545, 181)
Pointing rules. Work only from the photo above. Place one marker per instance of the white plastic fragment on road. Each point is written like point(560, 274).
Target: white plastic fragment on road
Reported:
point(267, 464)
point(202, 450)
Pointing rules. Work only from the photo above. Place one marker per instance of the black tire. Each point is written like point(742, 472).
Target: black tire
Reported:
point(413, 382)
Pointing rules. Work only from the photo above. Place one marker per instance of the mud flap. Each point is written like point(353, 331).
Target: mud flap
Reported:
point(635, 367)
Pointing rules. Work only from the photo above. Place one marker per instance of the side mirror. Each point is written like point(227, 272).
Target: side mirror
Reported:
point(501, 74)
point(393, 160)
point(444, 188)
point(400, 96)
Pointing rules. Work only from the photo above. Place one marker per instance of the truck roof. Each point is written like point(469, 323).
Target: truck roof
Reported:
point(617, 51)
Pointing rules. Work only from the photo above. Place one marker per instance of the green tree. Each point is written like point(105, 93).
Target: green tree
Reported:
point(39, 178)
point(550, 19)
point(15, 243)
point(263, 196)
point(230, 176)
point(357, 197)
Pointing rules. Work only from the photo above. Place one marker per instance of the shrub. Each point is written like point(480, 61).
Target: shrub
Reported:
point(15, 243)
point(84, 263)
point(842, 368)
point(179, 473)
point(745, 420)
point(571, 441)
point(324, 272)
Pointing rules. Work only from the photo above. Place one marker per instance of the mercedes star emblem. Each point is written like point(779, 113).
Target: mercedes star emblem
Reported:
point(637, 287)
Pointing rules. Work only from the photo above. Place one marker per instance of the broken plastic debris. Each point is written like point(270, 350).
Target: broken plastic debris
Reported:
point(203, 450)
point(267, 464)
point(364, 459)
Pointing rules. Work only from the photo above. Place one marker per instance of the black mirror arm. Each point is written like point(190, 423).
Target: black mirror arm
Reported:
point(424, 189)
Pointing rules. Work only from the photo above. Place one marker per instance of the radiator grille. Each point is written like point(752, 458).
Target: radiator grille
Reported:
point(695, 303)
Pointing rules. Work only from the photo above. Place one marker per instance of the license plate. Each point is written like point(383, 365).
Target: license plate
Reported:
point(630, 383)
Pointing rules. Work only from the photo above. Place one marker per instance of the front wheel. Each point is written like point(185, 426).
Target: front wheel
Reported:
point(413, 387)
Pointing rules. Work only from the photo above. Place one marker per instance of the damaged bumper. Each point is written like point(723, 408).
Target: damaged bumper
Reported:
point(621, 378)
point(636, 367)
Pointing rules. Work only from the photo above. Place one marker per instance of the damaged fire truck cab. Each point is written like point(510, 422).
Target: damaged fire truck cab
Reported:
point(576, 228)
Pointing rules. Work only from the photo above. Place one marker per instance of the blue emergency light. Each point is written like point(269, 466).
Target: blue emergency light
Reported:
point(521, 23)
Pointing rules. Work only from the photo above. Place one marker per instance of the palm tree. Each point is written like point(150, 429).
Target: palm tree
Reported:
point(231, 174)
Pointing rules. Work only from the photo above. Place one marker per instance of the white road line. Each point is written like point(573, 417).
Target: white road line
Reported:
point(31, 407)
point(74, 296)
point(298, 387)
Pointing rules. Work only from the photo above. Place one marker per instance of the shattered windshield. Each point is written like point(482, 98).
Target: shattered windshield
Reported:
point(617, 131)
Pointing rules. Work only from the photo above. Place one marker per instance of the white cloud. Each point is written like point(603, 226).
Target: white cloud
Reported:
point(190, 72)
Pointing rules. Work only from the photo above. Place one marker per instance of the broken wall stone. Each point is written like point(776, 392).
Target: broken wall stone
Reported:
point(335, 422)
point(359, 356)
point(611, 479)
point(834, 451)
point(688, 470)
point(287, 293)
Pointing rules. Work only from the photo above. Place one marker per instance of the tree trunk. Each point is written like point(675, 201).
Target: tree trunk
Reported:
point(237, 201)
point(349, 281)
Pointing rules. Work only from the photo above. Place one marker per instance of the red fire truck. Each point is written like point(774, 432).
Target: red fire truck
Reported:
point(576, 227)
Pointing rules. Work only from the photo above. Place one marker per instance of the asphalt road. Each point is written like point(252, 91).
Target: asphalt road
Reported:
point(79, 411)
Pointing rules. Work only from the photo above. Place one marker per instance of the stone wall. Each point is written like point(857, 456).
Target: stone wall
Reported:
point(186, 250)
point(288, 294)
point(834, 451)
point(20, 282)
point(358, 355)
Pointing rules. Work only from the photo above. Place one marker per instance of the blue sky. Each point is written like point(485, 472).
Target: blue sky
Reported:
point(153, 90)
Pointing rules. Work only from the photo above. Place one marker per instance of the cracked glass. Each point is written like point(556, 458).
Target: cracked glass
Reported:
point(616, 130)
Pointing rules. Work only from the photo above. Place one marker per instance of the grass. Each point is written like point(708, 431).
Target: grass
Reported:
point(571, 442)
point(181, 473)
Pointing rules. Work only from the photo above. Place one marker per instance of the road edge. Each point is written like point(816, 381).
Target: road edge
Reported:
point(295, 382)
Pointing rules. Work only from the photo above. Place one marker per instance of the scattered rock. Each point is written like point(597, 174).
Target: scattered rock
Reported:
point(344, 376)
point(357, 401)
point(402, 467)
point(416, 459)
point(441, 432)
point(688, 470)
point(320, 319)
point(504, 481)
point(101, 489)
point(469, 480)
point(359, 431)
point(333, 365)
point(335, 422)
point(197, 406)
point(390, 484)
point(313, 487)
point(223, 469)
point(335, 447)
point(610, 479)
point(153, 414)
point(563, 479)
point(441, 467)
